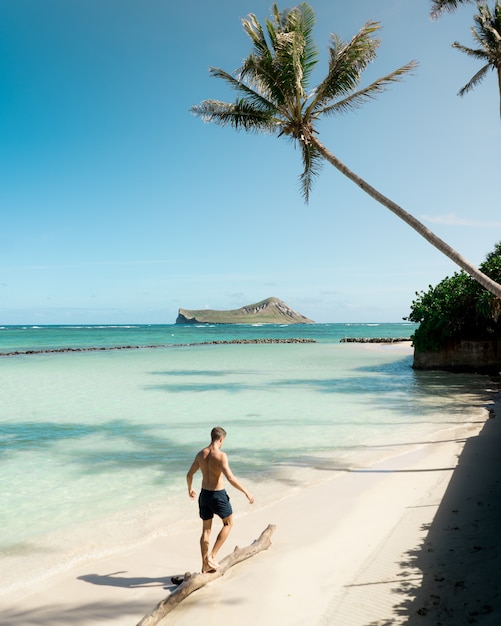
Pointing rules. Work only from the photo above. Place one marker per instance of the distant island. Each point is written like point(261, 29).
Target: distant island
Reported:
point(269, 311)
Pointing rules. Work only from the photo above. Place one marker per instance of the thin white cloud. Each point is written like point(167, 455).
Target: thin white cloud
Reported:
point(453, 220)
point(95, 264)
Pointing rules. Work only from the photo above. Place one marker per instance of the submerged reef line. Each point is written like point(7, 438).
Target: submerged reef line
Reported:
point(140, 347)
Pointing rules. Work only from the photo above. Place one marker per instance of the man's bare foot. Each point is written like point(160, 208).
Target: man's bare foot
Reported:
point(212, 563)
point(209, 566)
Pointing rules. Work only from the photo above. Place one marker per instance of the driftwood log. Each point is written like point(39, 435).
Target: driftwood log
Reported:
point(192, 582)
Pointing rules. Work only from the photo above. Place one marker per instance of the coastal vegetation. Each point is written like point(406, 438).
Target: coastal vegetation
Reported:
point(458, 309)
point(274, 96)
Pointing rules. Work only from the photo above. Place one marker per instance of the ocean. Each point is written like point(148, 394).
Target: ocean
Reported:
point(95, 442)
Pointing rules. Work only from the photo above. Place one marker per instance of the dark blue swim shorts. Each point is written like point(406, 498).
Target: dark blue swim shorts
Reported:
point(218, 502)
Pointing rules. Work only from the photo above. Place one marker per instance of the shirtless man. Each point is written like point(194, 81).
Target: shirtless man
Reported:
point(213, 498)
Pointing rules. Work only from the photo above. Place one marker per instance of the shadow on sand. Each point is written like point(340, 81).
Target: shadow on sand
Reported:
point(78, 615)
point(114, 580)
point(460, 559)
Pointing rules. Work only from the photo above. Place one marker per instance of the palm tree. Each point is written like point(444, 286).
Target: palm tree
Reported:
point(439, 6)
point(487, 33)
point(273, 97)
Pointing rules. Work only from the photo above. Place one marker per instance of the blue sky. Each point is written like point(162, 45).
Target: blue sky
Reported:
point(119, 206)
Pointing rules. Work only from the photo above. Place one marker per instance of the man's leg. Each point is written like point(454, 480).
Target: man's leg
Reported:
point(221, 538)
point(204, 543)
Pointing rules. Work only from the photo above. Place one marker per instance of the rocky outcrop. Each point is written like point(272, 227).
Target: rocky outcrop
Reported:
point(269, 311)
point(374, 339)
point(476, 356)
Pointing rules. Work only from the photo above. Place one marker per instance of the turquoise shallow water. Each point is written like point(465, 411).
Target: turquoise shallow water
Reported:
point(21, 338)
point(95, 445)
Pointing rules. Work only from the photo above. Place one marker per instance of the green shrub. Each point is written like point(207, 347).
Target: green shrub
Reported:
point(458, 308)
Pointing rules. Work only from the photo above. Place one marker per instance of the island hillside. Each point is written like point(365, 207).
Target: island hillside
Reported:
point(269, 311)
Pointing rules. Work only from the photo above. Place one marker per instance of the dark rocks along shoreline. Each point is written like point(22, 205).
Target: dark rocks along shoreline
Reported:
point(374, 339)
point(204, 343)
point(169, 345)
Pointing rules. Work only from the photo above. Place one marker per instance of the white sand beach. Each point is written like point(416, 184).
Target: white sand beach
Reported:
point(413, 540)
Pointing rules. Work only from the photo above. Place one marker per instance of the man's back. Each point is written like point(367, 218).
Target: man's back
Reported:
point(210, 460)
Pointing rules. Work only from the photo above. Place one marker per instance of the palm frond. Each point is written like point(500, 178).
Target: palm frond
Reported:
point(475, 80)
point(259, 69)
point(288, 57)
point(294, 45)
point(476, 54)
point(256, 97)
point(260, 76)
point(487, 34)
point(240, 115)
point(347, 61)
point(310, 50)
point(487, 29)
point(359, 98)
point(256, 34)
point(312, 161)
point(440, 6)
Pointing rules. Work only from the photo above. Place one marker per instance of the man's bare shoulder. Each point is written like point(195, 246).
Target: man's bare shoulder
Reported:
point(223, 459)
point(203, 454)
point(217, 455)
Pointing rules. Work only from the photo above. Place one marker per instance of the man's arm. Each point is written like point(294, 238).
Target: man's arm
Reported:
point(195, 466)
point(225, 466)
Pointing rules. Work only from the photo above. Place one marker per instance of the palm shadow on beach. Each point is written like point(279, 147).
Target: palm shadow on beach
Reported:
point(394, 385)
point(453, 578)
point(85, 613)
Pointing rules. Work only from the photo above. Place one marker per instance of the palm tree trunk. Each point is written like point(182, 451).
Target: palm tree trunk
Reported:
point(470, 269)
point(499, 84)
